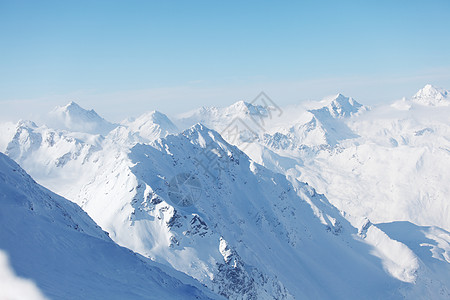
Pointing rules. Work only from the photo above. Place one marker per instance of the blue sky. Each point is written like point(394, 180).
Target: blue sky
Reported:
point(125, 57)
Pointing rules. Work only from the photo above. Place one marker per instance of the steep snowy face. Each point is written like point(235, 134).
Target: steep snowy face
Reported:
point(393, 171)
point(244, 124)
point(340, 106)
point(50, 154)
point(242, 117)
point(432, 96)
point(386, 165)
point(151, 126)
point(343, 106)
point(242, 108)
point(317, 129)
point(197, 203)
point(53, 242)
point(72, 117)
point(208, 115)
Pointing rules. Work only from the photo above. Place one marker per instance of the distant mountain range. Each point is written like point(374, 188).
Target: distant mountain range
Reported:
point(329, 200)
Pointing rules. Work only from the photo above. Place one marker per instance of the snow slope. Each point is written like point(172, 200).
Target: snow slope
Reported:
point(14, 287)
point(72, 117)
point(389, 163)
point(251, 232)
point(52, 242)
point(318, 128)
point(395, 171)
point(151, 126)
point(57, 158)
point(43, 152)
point(243, 226)
point(432, 96)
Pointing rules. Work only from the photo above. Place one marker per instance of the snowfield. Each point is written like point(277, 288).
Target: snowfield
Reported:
point(326, 200)
point(54, 244)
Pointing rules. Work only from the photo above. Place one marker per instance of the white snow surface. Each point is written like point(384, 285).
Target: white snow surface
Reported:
point(63, 254)
point(73, 117)
point(432, 96)
point(371, 222)
point(151, 126)
point(14, 287)
point(389, 163)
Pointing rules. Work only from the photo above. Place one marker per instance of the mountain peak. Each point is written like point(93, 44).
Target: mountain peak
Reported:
point(201, 129)
point(152, 125)
point(340, 106)
point(26, 123)
point(203, 136)
point(75, 118)
point(156, 116)
point(72, 104)
point(246, 108)
point(432, 96)
point(73, 107)
point(240, 104)
point(71, 247)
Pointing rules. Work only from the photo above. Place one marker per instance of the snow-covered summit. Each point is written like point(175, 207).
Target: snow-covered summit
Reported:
point(432, 96)
point(73, 117)
point(259, 214)
point(242, 107)
point(340, 106)
point(220, 118)
point(50, 239)
point(243, 220)
point(321, 126)
point(152, 125)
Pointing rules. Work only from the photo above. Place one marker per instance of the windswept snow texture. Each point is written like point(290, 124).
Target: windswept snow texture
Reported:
point(326, 200)
point(389, 163)
point(54, 243)
point(250, 233)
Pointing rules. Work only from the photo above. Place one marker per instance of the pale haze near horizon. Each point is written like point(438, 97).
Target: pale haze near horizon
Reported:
point(122, 59)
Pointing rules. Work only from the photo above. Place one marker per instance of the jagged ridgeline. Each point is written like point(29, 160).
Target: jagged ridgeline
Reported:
point(255, 201)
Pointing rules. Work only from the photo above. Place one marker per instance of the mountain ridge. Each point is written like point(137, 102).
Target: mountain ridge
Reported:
point(55, 243)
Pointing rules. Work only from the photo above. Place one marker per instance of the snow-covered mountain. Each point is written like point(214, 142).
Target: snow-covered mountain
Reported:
point(151, 126)
point(72, 117)
point(130, 196)
point(318, 128)
point(339, 106)
point(394, 171)
point(432, 96)
point(51, 154)
point(52, 242)
point(205, 202)
point(386, 164)
point(243, 223)
point(213, 116)
point(43, 152)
